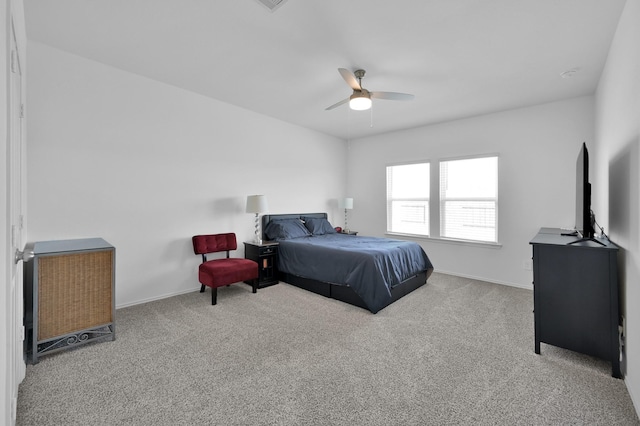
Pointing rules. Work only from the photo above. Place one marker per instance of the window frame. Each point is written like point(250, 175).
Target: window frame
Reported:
point(435, 203)
point(388, 201)
point(496, 199)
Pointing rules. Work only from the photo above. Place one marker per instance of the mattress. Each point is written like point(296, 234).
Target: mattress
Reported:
point(370, 266)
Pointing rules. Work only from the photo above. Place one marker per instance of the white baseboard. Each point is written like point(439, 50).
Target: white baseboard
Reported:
point(153, 299)
point(489, 280)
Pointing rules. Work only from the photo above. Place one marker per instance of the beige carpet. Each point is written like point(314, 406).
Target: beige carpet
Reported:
point(456, 351)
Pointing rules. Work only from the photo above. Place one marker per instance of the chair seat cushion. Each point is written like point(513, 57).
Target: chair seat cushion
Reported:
point(220, 272)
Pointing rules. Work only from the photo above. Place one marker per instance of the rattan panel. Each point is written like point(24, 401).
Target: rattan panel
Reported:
point(74, 292)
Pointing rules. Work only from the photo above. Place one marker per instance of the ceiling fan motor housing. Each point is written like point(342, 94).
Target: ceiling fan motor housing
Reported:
point(359, 73)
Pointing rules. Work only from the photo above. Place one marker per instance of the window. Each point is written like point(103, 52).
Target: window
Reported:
point(469, 199)
point(408, 187)
point(465, 208)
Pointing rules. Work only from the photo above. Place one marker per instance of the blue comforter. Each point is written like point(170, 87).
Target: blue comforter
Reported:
point(370, 266)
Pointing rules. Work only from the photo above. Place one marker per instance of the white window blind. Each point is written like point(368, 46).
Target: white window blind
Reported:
point(408, 198)
point(469, 199)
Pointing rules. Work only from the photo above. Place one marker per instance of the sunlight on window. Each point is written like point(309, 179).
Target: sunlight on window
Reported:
point(408, 189)
point(467, 202)
point(468, 199)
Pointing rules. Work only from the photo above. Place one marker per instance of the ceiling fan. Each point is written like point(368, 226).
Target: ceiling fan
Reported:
point(360, 100)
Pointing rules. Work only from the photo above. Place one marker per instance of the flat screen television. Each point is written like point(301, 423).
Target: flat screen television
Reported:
point(584, 222)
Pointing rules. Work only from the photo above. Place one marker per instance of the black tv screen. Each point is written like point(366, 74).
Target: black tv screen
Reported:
point(583, 194)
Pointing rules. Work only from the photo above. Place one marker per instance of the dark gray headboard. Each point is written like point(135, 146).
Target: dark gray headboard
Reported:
point(269, 217)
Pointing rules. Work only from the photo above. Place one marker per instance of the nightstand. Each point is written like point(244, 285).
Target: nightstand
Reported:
point(266, 256)
point(349, 232)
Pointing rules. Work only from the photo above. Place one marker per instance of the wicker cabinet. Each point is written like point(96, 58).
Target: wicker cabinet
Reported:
point(69, 295)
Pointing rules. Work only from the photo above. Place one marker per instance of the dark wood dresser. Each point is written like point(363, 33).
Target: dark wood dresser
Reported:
point(575, 294)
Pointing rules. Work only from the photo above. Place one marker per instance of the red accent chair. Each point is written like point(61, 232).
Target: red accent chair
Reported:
point(222, 272)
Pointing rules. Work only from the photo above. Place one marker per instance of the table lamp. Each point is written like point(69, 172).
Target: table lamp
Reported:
point(346, 204)
point(257, 204)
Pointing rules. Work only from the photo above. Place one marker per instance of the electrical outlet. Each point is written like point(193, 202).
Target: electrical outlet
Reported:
point(527, 265)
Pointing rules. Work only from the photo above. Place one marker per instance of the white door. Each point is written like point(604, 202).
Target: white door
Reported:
point(16, 185)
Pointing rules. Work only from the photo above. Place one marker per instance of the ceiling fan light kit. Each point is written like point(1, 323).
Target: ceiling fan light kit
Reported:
point(360, 100)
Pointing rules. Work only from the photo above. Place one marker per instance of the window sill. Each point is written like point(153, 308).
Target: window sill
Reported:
point(469, 243)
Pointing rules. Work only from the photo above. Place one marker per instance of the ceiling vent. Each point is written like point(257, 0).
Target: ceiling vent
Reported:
point(272, 5)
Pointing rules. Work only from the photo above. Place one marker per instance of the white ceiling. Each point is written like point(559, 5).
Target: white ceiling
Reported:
point(459, 58)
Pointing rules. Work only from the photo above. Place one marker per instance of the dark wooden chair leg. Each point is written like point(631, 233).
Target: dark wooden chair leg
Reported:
point(202, 288)
point(214, 295)
point(255, 285)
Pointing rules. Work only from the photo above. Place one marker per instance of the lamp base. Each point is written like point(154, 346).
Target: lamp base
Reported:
point(256, 237)
point(345, 229)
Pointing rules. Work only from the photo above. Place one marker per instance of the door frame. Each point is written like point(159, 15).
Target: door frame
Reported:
point(12, 205)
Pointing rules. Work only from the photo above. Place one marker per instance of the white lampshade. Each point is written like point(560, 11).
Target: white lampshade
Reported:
point(346, 203)
point(257, 204)
point(359, 102)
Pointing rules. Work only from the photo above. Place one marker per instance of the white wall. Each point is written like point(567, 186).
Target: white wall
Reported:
point(617, 173)
point(145, 166)
point(537, 148)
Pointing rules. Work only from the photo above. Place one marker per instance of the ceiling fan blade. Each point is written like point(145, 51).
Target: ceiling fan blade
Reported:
point(344, 101)
point(393, 96)
point(349, 78)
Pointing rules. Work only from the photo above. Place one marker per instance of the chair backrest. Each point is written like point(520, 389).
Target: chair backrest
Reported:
point(203, 244)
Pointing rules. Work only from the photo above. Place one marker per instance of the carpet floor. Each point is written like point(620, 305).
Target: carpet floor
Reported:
point(454, 352)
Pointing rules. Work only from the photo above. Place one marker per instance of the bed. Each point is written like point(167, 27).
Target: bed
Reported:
point(368, 272)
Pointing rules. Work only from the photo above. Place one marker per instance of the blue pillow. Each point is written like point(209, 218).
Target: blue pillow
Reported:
point(318, 225)
point(285, 229)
